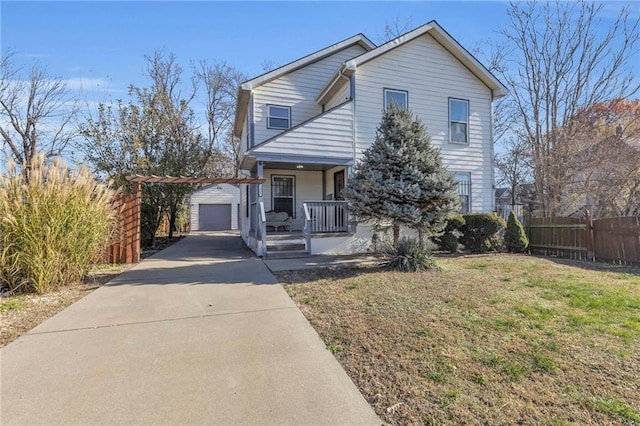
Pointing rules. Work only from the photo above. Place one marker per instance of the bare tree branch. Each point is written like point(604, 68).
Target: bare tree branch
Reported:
point(36, 112)
point(559, 64)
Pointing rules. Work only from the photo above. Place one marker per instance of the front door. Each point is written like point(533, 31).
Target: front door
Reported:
point(338, 185)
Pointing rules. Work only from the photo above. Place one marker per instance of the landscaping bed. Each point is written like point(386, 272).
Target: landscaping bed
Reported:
point(491, 339)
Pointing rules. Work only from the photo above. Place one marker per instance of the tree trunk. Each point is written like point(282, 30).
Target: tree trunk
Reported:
point(172, 221)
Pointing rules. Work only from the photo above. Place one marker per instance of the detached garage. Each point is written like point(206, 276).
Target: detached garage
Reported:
point(215, 208)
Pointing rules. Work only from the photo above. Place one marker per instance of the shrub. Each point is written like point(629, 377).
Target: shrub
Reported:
point(52, 225)
point(515, 239)
point(450, 239)
point(479, 231)
point(407, 256)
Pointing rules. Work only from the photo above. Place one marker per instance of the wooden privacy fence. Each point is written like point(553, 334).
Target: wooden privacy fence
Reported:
point(124, 245)
point(613, 240)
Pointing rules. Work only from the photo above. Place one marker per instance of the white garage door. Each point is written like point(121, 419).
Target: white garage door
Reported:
point(214, 217)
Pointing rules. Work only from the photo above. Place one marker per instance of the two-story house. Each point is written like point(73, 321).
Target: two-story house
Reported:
point(303, 127)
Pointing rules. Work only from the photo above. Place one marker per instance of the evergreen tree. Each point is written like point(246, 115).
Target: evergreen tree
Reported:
point(401, 180)
point(515, 239)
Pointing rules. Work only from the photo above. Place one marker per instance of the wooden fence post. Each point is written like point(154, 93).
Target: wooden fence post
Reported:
point(136, 221)
point(588, 229)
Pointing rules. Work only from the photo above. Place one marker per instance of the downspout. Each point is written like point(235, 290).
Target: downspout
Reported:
point(251, 123)
point(493, 175)
point(352, 95)
point(353, 227)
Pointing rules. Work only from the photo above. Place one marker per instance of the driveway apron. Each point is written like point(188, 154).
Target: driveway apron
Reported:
point(201, 333)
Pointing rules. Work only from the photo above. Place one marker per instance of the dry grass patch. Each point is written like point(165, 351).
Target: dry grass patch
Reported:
point(484, 339)
point(21, 312)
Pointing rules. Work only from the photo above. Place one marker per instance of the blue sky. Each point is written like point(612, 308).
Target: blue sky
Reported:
point(105, 42)
point(100, 46)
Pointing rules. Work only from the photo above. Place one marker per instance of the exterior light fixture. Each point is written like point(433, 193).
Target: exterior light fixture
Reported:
point(299, 166)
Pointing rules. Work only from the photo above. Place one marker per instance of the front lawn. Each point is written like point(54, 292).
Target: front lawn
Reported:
point(494, 339)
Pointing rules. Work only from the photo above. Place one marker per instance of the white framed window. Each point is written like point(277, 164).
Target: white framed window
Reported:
point(398, 98)
point(464, 191)
point(278, 117)
point(283, 194)
point(458, 121)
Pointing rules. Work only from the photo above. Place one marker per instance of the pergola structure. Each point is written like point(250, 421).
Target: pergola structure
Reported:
point(131, 206)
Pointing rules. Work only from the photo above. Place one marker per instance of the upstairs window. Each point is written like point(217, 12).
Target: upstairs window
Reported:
point(464, 191)
point(397, 98)
point(279, 117)
point(458, 121)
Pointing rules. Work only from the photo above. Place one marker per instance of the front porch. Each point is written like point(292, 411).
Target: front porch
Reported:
point(310, 193)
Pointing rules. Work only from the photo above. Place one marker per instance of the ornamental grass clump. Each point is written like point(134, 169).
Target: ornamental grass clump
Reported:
point(53, 225)
point(406, 256)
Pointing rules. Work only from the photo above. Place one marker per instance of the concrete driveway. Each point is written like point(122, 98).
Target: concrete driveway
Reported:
point(201, 333)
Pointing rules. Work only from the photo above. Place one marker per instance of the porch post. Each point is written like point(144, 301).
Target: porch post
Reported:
point(261, 222)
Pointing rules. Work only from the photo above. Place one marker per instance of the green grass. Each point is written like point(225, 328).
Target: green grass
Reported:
point(617, 408)
point(11, 304)
point(484, 340)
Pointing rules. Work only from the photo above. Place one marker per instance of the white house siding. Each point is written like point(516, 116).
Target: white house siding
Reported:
point(215, 194)
point(431, 75)
point(330, 135)
point(298, 90)
point(308, 187)
point(341, 95)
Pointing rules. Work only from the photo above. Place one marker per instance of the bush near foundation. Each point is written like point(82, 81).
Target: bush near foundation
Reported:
point(53, 225)
point(450, 239)
point(479, 232)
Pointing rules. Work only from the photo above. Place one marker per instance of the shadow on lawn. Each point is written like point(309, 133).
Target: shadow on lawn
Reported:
point(593, 266)
point(331, 273)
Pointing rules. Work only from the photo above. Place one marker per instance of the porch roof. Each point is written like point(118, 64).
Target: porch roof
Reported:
point(290, 162)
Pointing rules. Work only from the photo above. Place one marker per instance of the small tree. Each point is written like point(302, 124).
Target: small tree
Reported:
point(515, 239)
point(401, 180)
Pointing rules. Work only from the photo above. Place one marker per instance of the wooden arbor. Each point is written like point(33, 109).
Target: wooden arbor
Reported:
point(127, 248)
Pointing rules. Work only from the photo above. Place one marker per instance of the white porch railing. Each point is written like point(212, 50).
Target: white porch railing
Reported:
point(307, 227)
point(327, 216)
point(263, 230)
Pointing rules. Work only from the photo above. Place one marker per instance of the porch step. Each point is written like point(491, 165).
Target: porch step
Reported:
point(287, 246)
point(298, 236)
point(289, 254)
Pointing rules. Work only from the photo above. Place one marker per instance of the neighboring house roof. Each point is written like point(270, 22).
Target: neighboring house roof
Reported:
point(442, 37)
point(503, 193)
point(245, 88)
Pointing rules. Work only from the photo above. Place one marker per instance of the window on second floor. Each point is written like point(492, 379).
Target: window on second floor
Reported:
point(458, 121)
point(464, 191)
point(279, 117)
point(397, 98)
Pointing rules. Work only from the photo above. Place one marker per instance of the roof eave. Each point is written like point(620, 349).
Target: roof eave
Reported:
point(334, 84)
point(449, 43)
point(242, 106)
point(359, 39)
point(498, 89)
